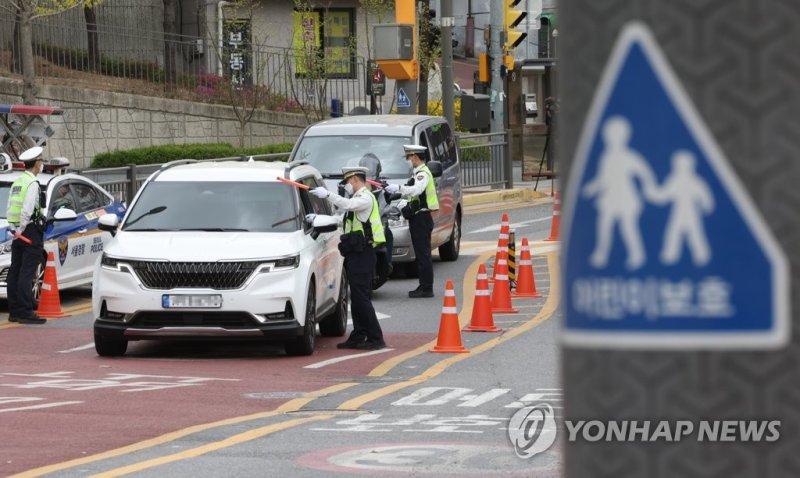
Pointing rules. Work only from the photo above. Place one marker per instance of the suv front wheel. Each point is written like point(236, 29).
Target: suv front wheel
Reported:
point(335, 325)
point(304, 345)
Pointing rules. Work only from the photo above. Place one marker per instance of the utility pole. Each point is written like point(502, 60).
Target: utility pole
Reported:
point(447, 62)
point(496, 93)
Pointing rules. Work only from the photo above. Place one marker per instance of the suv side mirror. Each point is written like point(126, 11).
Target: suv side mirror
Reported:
point(436, 168)
point(324, 223)
point(108, 222)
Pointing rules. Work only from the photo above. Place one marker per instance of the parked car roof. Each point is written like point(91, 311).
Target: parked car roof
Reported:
point(369, 125)
point(233, 171)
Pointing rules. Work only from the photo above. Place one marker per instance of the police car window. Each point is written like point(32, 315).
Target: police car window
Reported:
point(86, 198)
point(61, 198)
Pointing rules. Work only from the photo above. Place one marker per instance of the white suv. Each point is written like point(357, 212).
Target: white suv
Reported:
point(221, 250)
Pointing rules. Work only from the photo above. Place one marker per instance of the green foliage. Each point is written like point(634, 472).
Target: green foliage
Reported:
point(473, 151)
point(171, 152)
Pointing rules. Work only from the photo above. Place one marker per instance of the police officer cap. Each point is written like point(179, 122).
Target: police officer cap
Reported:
point(348, 172)
point(30, 155)
point(414, 149)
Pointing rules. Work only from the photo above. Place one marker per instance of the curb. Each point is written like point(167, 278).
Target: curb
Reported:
point(506, 195)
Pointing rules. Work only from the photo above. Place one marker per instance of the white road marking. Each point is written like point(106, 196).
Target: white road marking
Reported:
point(346, 357)
point(477, 248)
point(514, 225)
point(33, 407)
point(379, 315)
point(77, 349)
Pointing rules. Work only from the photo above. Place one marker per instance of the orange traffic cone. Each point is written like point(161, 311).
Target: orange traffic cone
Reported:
point(449, 340)
point(501, 293)
point(526, 281)
point(482, 319)
point(555, 225)
point(502, 243)
point(49, 301)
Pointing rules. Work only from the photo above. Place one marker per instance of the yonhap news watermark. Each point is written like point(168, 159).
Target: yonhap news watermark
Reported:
point(534, 429)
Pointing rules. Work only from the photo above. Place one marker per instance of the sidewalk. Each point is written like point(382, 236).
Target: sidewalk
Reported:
point(522, 191)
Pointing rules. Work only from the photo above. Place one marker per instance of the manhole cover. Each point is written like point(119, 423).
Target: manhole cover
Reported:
point(273, 395)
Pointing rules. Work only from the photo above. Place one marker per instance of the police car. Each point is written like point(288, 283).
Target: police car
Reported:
point(76, 243)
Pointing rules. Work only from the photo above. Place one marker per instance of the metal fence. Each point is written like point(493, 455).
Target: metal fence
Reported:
point(486, 161)
point(132, 61)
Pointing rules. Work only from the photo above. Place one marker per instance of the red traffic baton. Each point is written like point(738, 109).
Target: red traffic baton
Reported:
point(22, 238)
point(294, 183)
point(374, 183)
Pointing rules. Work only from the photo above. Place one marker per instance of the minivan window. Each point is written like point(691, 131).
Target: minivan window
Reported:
point(330, 153)
point(214, 206)
point(442, 143)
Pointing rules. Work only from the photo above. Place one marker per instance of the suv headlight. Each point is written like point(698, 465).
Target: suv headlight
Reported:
point(399, 222)
point(282, 264)
point(110, 263)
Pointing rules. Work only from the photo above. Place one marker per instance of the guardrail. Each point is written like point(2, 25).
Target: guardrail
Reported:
point(486, 160)
point(125, 181)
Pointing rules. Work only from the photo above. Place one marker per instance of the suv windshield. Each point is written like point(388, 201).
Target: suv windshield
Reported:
point(214, 206)
point(330, 153)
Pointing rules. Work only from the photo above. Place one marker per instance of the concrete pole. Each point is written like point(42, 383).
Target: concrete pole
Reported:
point(447, 62)
point(496, 94)
point(695, 384)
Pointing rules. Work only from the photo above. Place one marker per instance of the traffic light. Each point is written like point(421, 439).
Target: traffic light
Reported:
point(511, 18)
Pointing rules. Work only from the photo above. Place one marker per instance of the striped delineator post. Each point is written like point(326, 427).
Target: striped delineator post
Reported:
point(502, 243)
point(555, 226)
point(482, 318)
point(449, 339)
point(512, 259)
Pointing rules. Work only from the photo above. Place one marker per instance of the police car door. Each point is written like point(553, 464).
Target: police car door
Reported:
point(86, 240)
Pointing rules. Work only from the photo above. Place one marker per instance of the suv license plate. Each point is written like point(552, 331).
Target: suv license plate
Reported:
point(177, 301)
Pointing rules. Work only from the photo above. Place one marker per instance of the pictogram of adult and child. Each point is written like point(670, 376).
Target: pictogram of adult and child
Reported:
point(622, 185)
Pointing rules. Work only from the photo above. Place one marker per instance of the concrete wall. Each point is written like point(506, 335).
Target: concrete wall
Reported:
point(98, 121)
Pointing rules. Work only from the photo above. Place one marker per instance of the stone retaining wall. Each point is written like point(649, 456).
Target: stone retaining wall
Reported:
point(98, 121)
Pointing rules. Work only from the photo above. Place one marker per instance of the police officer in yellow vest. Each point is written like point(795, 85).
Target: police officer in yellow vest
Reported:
point(363, 232)
point(421, 192)
point(25, 218)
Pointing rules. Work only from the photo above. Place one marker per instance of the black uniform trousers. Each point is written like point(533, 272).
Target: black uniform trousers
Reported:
point(25, 258)
point(421, 225)
point(360, 268)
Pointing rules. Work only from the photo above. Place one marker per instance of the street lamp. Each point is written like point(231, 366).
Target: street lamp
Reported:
point(555, 38)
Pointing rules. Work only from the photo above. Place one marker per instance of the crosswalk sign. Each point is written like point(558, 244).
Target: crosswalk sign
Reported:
point(664, 247)
point(402, 99)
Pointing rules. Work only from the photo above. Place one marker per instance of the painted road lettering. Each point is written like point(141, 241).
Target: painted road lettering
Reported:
point(64, 380)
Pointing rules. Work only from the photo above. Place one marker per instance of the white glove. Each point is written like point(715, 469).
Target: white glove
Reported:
point(320, 192)
point(392, 188)
point(310, 218)
point(402, 203)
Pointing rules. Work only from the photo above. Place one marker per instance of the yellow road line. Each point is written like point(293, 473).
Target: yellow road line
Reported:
point(294, 405)
point(547, 310)
point(202, 450)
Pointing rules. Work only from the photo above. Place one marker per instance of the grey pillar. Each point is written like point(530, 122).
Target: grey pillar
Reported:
point(736, 60)
point(447, 62)
point(496, 94)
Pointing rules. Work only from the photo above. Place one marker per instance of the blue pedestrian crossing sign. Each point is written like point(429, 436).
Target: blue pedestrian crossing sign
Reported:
point(402, 99)
point(663, 246)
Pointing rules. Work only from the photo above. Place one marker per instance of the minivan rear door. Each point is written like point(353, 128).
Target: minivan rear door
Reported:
point(442, 148)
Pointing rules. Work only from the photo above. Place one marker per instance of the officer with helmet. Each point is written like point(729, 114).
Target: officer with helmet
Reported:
point(363, 233)
point(26, 220)
point(422, 199)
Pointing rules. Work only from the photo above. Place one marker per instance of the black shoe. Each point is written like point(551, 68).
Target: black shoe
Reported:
point(12, 319)
point(417, 293)
point(33, 319)
point(371, 345)
point(350, 343)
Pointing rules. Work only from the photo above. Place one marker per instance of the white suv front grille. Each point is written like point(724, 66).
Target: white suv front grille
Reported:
point(194, 275)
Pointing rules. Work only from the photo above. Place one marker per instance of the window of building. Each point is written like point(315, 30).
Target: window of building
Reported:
point(324, 43)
